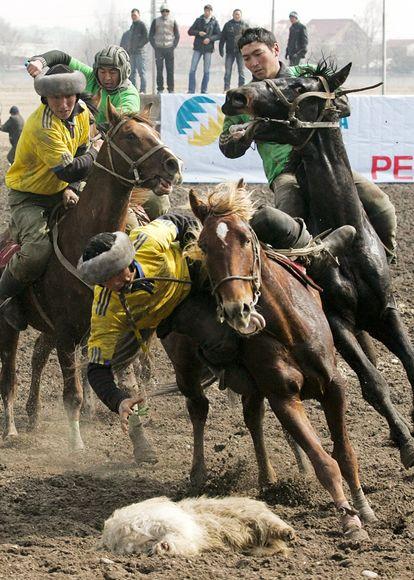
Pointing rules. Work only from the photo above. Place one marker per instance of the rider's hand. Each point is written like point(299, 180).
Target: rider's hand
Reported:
point(125, 410)
point(237, 135)
point(70, 198)
point(97, 144)
point(34, 68)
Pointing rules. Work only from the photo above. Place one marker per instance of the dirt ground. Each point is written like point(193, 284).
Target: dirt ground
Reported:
point(53, 504)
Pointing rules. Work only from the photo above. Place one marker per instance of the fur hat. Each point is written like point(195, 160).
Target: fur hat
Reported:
point(294, 14)
point(105, 255)
point(60, 80)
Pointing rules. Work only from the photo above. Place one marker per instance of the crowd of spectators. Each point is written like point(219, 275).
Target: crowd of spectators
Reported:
point(164, 37)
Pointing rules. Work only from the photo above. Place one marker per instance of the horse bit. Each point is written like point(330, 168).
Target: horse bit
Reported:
point(255, 278)
point(133, 165)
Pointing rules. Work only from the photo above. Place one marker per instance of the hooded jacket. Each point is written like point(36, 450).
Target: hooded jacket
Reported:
point(212, 30)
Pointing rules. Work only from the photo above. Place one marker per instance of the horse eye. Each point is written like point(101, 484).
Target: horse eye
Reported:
point(130, 136)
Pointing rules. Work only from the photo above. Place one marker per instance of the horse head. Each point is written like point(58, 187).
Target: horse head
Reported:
point(283, 108)
point(135, 154)
point(232, 255)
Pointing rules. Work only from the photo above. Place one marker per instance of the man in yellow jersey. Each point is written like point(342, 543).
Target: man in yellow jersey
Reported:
point(125, 301)
point(52, 154)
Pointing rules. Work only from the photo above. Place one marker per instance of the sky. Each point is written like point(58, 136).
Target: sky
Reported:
point(80, 14)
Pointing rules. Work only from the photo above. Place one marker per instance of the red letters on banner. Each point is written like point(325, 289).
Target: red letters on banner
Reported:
point(385, 163)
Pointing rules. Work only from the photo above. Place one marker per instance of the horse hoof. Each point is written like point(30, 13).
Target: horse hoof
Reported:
point(367, 515)
point(355, 534)
point(407, 455)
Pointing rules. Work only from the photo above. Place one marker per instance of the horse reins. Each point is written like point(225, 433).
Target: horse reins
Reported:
point(133, 164)
point(255, 277)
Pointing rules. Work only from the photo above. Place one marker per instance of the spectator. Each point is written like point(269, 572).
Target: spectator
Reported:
point(206, 30)
point(134, 41)
point(13, 126)
point(164, 37)
point(298, 40)
point(232, 31)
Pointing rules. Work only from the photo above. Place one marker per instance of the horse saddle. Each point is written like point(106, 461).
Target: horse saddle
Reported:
point(8, 248)
point(295, 269)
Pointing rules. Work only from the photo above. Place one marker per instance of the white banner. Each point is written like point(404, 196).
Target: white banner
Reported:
point(379, 137)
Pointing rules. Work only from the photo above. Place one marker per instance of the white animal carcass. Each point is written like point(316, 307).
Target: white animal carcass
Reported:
point(188, 527)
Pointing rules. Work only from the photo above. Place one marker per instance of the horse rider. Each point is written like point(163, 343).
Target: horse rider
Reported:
point(52, 155)
point(109, 76)
point(260, 52)
point(126, 296)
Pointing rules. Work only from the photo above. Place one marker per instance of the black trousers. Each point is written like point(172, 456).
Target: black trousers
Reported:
point(165, 55)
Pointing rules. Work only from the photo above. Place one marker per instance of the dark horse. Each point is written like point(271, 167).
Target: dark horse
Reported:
point(60, 304)
point(286, 351)
point(357, 297)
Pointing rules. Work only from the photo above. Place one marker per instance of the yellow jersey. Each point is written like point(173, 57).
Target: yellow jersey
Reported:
point(46, 143)
point(158, 254)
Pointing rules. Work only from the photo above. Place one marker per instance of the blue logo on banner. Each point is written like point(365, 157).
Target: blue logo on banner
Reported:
point(200, 119)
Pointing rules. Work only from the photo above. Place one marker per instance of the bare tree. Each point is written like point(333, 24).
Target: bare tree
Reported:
point(10, 38)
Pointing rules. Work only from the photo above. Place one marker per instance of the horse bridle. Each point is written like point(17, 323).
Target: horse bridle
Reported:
point(255, 277)
point(133, 164)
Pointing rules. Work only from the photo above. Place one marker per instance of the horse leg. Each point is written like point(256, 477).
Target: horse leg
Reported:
point(392, 332)
point(365, 342)
point(253, 412)
point(291, 414)
point(144, 451)
point(89, 400)
point(188, 371)
point(72, 393)
point(8, 348)
point(375, 389)
point(44, 345)
point(334, 406)
point(302, 461)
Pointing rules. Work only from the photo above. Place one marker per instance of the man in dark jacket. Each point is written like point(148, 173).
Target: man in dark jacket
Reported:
point(206, 30)
point(13, 126)
point(164, 37)
point(232, 31)
point(134, 41)
point(298, 40)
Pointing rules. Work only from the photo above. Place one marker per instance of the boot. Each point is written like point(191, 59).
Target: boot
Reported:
point(10, 307)
point(333, 245)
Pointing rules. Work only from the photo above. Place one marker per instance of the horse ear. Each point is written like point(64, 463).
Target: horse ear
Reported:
point(96, 99)
point(111, 113)
point(240, 183)
point(146, 111)
point(199, 207)
point(338, 79)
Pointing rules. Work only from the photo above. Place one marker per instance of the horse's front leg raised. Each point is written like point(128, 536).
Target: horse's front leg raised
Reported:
point(44, 345)
point(72, 393)
point(375, 389)
point(8, 346)
point(290, 412)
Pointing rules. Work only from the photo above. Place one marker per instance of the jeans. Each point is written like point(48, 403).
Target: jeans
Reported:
point(194, 64)
point(167, 55)
point(228, 64)
point(138, 64)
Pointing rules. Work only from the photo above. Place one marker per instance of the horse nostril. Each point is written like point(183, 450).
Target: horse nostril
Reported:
point(246, 309)
point(171, 165)
point(238, 100)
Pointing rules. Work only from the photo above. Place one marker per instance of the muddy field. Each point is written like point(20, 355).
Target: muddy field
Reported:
point(53, 504)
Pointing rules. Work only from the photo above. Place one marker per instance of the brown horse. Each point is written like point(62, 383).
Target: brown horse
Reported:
point(286, 350)
point(59, 304)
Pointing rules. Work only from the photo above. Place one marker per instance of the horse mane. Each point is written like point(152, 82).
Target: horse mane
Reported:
point(137, 117)
point(228, 198)
point(325, 68)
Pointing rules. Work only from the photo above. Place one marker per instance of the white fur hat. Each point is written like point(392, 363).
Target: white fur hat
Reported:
point(60, 80)
point(105, 256)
